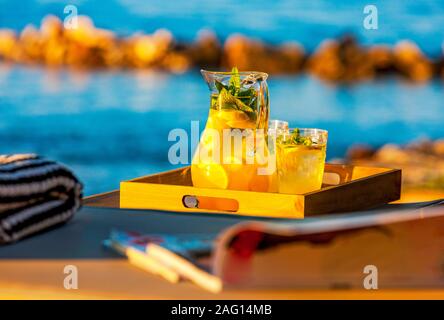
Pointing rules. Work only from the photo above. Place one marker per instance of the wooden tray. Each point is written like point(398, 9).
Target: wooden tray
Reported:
point(345, 188)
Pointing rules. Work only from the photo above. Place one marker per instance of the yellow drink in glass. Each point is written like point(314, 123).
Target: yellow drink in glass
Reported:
point(300, 160)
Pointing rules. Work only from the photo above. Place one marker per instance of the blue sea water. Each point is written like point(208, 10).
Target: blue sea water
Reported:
point(113, 125)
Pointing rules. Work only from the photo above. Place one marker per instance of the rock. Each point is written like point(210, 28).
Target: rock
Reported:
point(207, 50)
point(248, 54)
point(343, 61)
point(357, 152)
point(8, 44)
point(381, 57)
point(391, 153)
point(422, 162)
point(411, 62)
point(51, 27)
point(438, 147)
point(87, 46)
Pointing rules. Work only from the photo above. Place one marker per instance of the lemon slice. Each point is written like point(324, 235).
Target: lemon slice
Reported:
point(236, 119)
point(241, 124)
point(209, 176)
point(233, 115)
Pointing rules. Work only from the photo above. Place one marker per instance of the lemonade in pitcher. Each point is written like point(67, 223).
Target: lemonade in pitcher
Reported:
point(233, 149)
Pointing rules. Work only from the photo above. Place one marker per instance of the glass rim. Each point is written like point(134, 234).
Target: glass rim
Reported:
point(317, 130)
point(275, 124)
point(241, 73)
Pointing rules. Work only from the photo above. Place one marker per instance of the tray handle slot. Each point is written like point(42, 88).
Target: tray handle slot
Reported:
point(335, 174)
point(210, 203)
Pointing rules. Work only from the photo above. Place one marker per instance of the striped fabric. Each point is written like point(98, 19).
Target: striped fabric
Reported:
point(35, 194)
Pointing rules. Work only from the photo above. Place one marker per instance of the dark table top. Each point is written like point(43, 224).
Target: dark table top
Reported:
point(82, 237)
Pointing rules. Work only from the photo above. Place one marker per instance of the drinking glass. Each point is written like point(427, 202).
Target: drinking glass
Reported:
point(300, 156)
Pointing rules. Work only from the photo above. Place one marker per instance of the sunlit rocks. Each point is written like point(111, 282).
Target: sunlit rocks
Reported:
point(239, 51)
point(381, 58)
point(391, 153)
point(360, 151)
point(30, 45)
point(343, 61)
point(8, 44)
point(411, 62)
point(292, 56)
point(206, 51)
point(53, 42)
point(51, 28)
point(324, 63)
point(438, 147)
point(81, 44)
point(148, 50)
point(422, 162)
point(84, 33)
point(248, 54)
point(176, 62)
point(88, 46)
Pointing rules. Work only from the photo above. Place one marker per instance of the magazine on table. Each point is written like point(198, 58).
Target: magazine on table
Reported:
point(405, 245)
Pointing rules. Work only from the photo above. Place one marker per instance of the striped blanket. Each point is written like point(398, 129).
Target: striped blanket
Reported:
point(35, 194)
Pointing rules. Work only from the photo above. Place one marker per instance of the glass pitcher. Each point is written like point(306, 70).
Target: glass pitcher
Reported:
point(233, 149)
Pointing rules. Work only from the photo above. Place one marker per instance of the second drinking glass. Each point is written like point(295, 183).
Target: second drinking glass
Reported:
point(300, 157)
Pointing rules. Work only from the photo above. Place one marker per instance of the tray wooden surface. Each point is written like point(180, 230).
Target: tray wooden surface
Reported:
point(345, 188)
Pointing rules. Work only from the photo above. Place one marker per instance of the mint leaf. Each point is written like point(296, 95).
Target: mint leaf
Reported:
point(294, 139)
point(249, 93)
point(298, 139)
point(242, 106)
point(219, 85)
point(248, 97)
point(231, 96)
point(234, 84)
point(226, 100)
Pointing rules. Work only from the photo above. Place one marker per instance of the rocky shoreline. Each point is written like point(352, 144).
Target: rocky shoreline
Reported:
point(340, 60)
point(422, 162)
